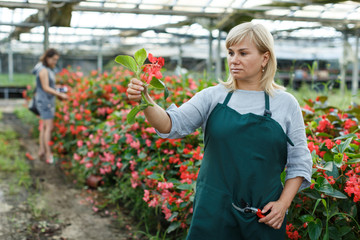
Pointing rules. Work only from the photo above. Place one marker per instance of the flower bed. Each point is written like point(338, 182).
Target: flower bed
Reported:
point(157, 176)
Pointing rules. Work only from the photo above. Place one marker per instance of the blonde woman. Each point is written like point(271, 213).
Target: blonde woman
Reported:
point(253, 130)
point(45, 99)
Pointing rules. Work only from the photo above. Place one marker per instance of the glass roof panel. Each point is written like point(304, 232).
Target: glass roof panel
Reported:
point(89, 25)
point(154, 7)
point(200, 3)
point(314, 8)
point(214, 10)
point(221, 3)
point(5, 28)
point(238, 3)
point(278, 12)
point(334, 14)
point(188, 8)
point(36, 1)
point(354, 16)
point(17, 15)
point(160, 2)
point(346, 6)
point(250, 4)
point(311, 14)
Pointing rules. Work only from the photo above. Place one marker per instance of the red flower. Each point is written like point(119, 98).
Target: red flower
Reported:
point(28, 155)
point(153, 69)
point(349, 123)
point(329, 144)
point(78, 116)
point(312, 147)
point(324, 125)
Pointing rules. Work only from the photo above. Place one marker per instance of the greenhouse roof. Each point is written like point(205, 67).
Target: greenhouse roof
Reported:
point(122, 25)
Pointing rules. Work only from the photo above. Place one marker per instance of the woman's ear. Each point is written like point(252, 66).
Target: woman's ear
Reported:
point(266, 57)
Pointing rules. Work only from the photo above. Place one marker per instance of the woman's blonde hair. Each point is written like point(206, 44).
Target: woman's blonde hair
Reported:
point(264, 42)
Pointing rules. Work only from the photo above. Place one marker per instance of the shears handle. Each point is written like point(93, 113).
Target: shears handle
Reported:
point(259, 214)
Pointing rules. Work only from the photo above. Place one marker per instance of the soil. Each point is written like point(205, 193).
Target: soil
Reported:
point(53, 208)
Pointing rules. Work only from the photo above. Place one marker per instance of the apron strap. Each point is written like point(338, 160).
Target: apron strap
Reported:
point(267, 111)
point(228, 96)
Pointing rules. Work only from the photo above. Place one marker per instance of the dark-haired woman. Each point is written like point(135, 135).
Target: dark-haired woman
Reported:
point(45, 99)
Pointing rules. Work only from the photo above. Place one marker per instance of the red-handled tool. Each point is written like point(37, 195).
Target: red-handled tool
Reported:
point(259, 214)
point(247, 209)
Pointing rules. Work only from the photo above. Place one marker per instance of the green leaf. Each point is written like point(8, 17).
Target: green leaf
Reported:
point(312, 194)
point(344, 230)
point(156, 83)
point(328, 166)
point(308, 102)
point(142, 155)
point(185, 186)
point(316, 204)
point(344, 145)
point(131, 115)
point(353, 161)
point(323, 99)
point(140, 56)
point(174, 181)
point(322, 134)
point(328, 157)
point(338, 159)
point(334, 233)
point(156, 176)
point(351, 135)
point(174, 215)
point(283, 176)
point(173, 226)
point(322, 185)
point(306, 218)
point(127, 61)
point(324, 203)
point(315, 228)
point(166, 93)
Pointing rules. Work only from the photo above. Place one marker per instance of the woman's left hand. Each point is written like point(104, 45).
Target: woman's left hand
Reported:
point(276, 216)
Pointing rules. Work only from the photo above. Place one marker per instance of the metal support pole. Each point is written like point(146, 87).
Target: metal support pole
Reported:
point(46, 30)
point(218, 58)
point(179, 60)
point(209, 62)
point(355, 74)
point(11, 63)
point(100, 57)
point(343, 66)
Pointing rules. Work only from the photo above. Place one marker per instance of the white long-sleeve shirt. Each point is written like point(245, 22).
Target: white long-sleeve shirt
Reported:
point(285, 110)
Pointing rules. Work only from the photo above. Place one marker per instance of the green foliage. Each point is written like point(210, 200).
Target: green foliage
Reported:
point(329, 207)
point(127, 61)
point(28, 118)
point(20, 80)
point(12, 159)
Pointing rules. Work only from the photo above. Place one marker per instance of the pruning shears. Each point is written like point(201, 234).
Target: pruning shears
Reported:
point(247, 209)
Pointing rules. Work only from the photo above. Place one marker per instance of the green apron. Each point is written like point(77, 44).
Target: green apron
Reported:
point(244, 156)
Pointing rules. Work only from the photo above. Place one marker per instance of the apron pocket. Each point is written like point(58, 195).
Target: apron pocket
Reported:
point(211, 217)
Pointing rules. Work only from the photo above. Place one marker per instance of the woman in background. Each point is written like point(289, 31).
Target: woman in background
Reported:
point(45, 99)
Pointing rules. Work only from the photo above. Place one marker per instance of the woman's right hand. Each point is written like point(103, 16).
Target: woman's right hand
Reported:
point(63, 96)
point(135, 87)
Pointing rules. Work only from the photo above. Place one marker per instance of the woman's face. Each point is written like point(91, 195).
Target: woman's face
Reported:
point(52, 61)
point(246, 62)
